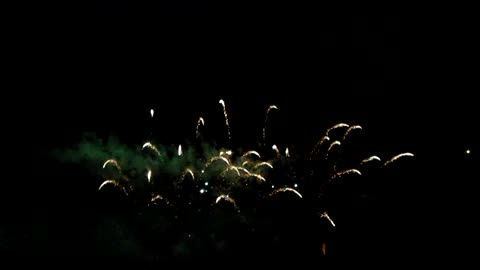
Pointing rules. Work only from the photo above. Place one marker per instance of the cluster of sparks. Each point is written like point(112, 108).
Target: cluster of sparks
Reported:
point(221, 175)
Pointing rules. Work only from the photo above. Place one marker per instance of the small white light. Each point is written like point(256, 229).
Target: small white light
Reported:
point(206, 183)
point(295, 185)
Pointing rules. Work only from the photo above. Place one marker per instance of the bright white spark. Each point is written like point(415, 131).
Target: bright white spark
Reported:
point(325, 215)
point(180, 150)
point(151, 113)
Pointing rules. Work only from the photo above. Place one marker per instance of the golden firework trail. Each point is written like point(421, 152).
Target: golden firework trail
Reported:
point(349, 130)
point(287, 152)
point(157, 198)
point(370, 159)
point(244, 170)
point(151, 146)
point(274, 147)
point(151, 112)
point(251, 152)
point(345, 172)
point(245, 163)
point(325, 215)
point(180, 150)
point(229, 168)
point(188, 171)
point(226, 118)
point(213, 159)
point(266, 120)
point(339, 125)
point(226, 198)
point(227, 153)
point(112, 161)
point(200, 122)
point(332, 145)
point(106, 182)
point(261, 164)
point(257, 176)
point(395, 158)
point(287, 189)
point(149, 175)
point(318, 145)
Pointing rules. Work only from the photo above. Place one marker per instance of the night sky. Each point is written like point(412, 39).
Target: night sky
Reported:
point(408, 78)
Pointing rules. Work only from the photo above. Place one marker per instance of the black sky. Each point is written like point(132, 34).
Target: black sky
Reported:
point(407, 75)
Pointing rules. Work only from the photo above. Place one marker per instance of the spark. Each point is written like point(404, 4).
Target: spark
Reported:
point(157, 198)
point(226, 198)
point(151, 112)
point(266, 119)
point(467, 152)
point(263, 163)
point(202, 191)
point(295, 185)
point(332, 145)
point(215, 159)
point(226, 118)
point(257, 176)
point(229, 168)
point(188, 171)
point(349, 130)
point(245, 163)
point(287, 152)
point(319, 144)
point(372, 158)
point(151, 146)
point(200, 122)
point(274, 147)
point(345, 172)
point(325, 215)
point(112, 161)
point(395, 158)
point(339, 125)
point(149, 175)
point(287, 189)
point(243, 170)
point(106, 182)
point(206, 184)
point(180, 150)
point(251, 152)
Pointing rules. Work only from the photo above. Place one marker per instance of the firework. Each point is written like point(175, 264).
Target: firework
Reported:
point(151, 112)
point(210, 161)
point(114, 162)
point(370, 159)
point(395, 158)
point(287, 189)
point(108, 182)
point(287, 152)
point(349, 130)
point(179, 150)
point(151, 146)
point(332, 146)
point(230, 168)
point(226, 198)
point(266, 119)
point(200, 122)
point(149, 175)
point(337, 126)
point(325, 215)
point(316, 149)
point(251, 152)
point(226, 118)
point(190, 172)
point(261, 164)
point(275, 148)
point(345, 172)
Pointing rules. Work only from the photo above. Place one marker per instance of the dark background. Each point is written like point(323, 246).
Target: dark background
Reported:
point(407, 75)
